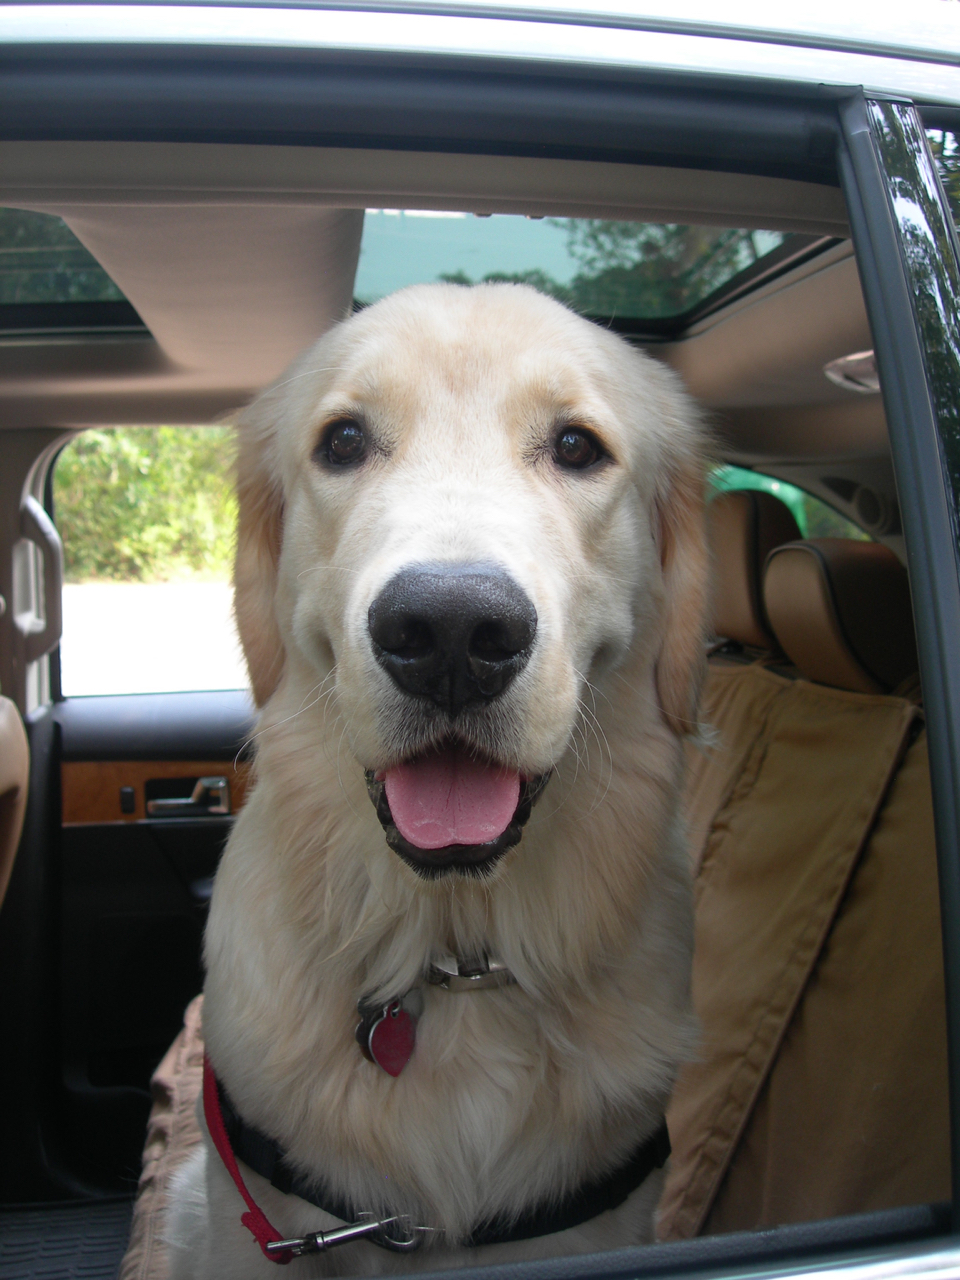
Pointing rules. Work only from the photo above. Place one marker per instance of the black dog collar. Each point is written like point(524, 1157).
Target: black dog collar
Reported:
point(265, 1157)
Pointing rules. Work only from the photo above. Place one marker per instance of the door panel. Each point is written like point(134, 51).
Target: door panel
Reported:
point(133, 890)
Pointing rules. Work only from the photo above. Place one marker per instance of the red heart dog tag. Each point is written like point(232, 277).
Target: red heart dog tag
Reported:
point(392, 1038)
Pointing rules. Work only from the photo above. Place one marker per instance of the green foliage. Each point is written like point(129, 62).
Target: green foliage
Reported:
point(946, 151)
point(41, 260)
point(649, 269)
point(641, 269)
point(147, 504)
point(815, 518)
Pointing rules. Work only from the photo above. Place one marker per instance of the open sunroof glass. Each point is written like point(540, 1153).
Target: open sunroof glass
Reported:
point(630, 272)
point(50, 283)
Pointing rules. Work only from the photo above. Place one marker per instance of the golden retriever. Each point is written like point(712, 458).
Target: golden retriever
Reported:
point(470, 585)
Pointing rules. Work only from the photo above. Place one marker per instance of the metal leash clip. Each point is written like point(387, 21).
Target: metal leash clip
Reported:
point(394, 1233)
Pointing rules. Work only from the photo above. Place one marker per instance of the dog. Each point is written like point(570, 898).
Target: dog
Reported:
point(448, 951)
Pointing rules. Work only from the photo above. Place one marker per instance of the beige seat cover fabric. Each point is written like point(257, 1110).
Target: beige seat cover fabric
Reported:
point(855, 1114)
point(14, 781)
point(172, 1133)
point(780, 854)
point(733, 713)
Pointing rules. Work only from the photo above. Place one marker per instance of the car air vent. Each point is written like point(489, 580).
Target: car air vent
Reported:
point(843, 488)
point(877, 512)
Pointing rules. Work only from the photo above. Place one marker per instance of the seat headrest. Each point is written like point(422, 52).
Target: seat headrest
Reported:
point(841, 611)
point(745, 526)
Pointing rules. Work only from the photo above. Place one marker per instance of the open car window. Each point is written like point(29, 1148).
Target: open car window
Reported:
point(147, 516)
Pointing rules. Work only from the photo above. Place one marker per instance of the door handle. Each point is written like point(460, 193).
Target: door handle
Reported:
point(209, 796)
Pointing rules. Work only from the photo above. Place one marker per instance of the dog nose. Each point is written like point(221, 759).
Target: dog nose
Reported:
point(453, 633)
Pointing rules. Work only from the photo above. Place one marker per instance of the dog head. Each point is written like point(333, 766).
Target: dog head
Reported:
point(458, 511)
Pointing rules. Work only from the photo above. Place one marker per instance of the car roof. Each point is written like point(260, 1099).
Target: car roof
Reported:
point(929, 29)
point(876, 47)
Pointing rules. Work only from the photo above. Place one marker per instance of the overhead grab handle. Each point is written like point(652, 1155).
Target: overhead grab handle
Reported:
point(40, 630)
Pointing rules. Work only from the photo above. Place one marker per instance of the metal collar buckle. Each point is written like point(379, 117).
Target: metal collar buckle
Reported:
point(468, 975)
point(394, 1233)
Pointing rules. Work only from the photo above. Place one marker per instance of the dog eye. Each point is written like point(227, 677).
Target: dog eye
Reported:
point(577, 449)
point(343, 442)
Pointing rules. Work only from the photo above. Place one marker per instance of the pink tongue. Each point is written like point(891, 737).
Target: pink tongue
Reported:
point(450, 798)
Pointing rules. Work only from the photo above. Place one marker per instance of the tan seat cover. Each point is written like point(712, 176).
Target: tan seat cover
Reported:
point(14, 781)
point(776, 864)
point(855, 1115)
point(733, 710)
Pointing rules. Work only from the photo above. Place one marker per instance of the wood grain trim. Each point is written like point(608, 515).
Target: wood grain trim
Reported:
point(90, 790)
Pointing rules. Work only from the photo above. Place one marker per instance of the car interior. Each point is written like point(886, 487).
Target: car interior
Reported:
point(821, 1088)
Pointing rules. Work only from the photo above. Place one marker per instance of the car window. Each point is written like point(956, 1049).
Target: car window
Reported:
point(147, 516)
point(816, 518)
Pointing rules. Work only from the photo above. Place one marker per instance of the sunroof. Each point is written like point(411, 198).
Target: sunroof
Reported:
point(634, 272)
point(50, 283)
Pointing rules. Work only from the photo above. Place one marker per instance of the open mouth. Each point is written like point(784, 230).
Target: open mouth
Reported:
point(449, 811)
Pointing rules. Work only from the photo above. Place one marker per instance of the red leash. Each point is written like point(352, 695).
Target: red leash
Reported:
point(255, 1220)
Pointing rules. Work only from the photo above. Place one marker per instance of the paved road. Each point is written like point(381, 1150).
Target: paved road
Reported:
point(149, 638)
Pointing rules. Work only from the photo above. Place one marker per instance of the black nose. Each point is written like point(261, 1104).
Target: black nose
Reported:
point(453, 633)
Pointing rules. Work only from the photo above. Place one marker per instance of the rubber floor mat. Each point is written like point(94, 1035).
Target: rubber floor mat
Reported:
point(76, 1241)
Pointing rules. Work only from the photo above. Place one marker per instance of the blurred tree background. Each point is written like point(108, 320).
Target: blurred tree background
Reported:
point(653, 270)
point(147, 504)
point(41, 260)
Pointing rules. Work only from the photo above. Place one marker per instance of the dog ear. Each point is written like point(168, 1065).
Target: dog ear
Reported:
point(259, 538)
point(685, 559)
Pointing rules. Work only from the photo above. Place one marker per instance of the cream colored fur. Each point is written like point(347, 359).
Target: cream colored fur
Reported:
point(518, 1094)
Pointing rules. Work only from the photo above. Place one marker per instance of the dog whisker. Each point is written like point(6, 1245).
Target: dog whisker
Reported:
point(270, 728)
point(326, 568)
point(591, 721)
point(307, 373)
point(343, 789)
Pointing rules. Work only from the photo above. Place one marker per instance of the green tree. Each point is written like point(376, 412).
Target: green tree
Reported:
point(140, 504)
point(650, 270)
point(41, 260)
